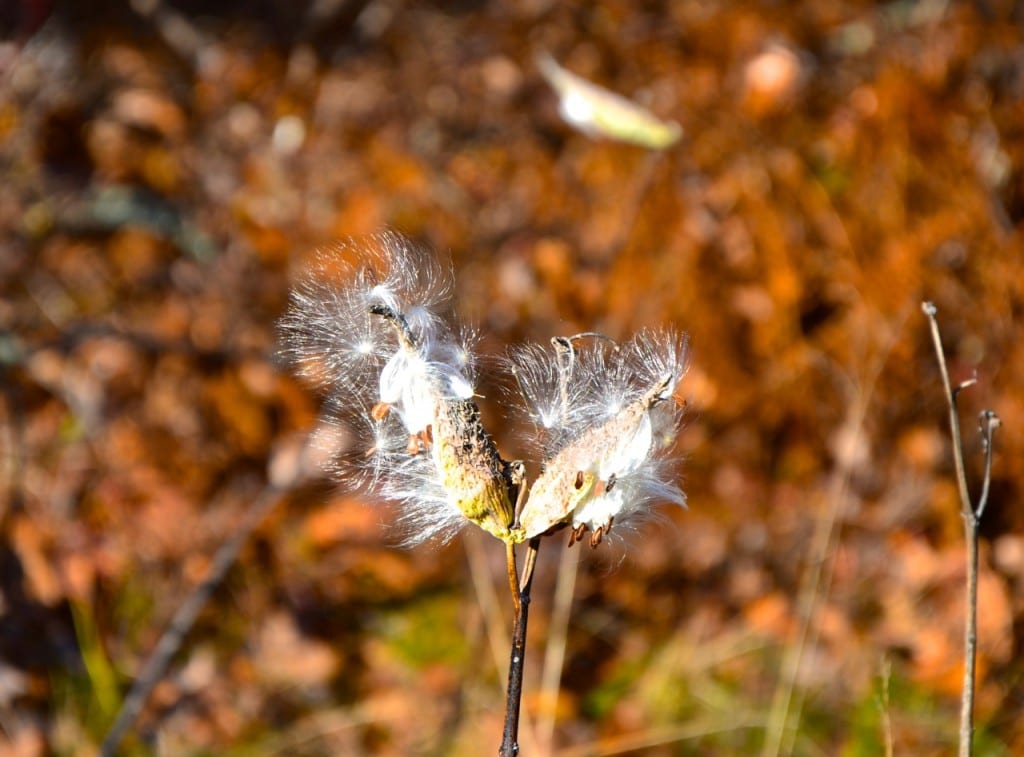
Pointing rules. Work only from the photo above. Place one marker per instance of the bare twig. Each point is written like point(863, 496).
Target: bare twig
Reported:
point(171, 640)
point(988, 422)
point(787, 701)
point(494, 622)
point(883, 706)
point(510, 734)
point(972, 519)
point(486, 597)
point(513, 576)
point(554, 652)
point(291, 464)
point(645, 741)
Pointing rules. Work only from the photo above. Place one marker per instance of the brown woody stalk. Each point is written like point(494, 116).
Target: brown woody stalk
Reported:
point(971, 514)
point(517, 659)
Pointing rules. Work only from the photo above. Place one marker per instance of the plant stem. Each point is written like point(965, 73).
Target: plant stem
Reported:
point(184, 618)
point(554, 652)
point(970, 640)
point(517, 658)
point(513, 576)
point(972, 519)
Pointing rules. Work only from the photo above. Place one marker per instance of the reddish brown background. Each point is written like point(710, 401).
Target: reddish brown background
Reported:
point(165, 176)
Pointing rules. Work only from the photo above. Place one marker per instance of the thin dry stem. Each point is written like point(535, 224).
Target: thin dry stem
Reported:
point(486, 596)
point(644, 741)
point(883, 705)
point(494, 621)
point(185, 617)
point(988, 423)
point(781, 725)
point(513, 575)
point(517, 657)
point(554, 652)
point(824, 545)
point(531, 563)
point(954, 418)
point(972, 519)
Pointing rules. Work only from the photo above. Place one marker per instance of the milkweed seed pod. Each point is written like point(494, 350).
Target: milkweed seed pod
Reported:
point(608, 418)
point(478, 482)
point(370, 324)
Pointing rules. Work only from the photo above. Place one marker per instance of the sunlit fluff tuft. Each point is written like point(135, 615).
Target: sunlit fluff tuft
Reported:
point(613, 419)
point(553, 403)
point(387, 470)
point(370, 323)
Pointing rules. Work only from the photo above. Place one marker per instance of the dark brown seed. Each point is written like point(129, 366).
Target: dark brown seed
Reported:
point(579, 531)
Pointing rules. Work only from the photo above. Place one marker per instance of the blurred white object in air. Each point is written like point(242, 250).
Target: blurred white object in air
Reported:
point(598, 112)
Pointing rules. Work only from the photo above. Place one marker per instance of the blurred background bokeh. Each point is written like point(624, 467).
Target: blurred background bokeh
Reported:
point(167, 170)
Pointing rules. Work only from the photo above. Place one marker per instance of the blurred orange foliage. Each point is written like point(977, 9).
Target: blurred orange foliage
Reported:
point(840, 163)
